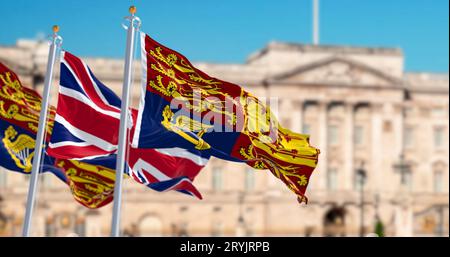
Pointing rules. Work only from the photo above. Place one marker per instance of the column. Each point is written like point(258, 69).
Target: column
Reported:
point(39, 227)
point(323, 144)
point(398, 128)
point(93, 225)
point(404, 219)
point(349, 146)
point(376, 171)
point(298, 126)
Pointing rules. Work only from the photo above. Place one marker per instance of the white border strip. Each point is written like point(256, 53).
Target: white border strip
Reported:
point(137, 129)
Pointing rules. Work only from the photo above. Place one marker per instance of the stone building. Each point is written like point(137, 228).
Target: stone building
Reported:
point(358, 104)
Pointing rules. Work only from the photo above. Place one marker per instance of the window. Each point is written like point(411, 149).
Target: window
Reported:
point(387, 126)
point(438, 181)
point(409, 111)
point(439, 137)
point(49, 227)
point(408, 180)
point(217, 178)
point(409, 137)
point(249, 230)
point(80, 227)
point(333, 135)
point(3, 177)
point(45, 180)
point(438, 112)
point(306, 129)
point(332, 179)
point(359, 135)
point(249, 179)
point(217, 229)
point(286, 123)
point(356, 181)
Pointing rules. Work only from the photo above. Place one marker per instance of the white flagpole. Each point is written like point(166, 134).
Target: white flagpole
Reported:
point(124, 114)
point(54, 46)
point(316, 22)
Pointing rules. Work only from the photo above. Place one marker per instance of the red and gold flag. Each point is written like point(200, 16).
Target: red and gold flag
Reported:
point(91, 184)
point(184, 107)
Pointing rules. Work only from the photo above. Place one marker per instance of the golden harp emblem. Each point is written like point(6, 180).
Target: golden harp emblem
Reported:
point(20, 147)
point(183, 123)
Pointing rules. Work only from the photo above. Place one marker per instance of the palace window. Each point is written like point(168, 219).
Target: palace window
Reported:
point(80, 227)
point(217, 229)
point(286, 123)
point(333, 134)
point(409, 137)
point(387, 126)
point(332, 179)
point(46, 180)
point(249, 179)
point(359, 135)
point(3, 178)
point(409, 180)
point(438, 137)
point(217, 178)
point(306, 129)
point(356, 181)
point(438, 112)
point(438, 181)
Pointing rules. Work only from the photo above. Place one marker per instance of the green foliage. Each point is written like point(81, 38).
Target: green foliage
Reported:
point(379, 228)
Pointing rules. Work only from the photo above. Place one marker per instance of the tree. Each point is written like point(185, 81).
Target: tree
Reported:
point(379, 228)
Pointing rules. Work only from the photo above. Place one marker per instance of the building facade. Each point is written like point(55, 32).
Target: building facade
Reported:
point(362, 110)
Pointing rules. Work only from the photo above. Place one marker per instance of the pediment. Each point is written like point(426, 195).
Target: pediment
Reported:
point(336, 71)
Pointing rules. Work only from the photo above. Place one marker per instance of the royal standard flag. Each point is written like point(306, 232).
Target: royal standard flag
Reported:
point(91, 182)
point(182, 106)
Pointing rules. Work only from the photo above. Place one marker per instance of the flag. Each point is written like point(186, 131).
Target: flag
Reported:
point(80, 92)
point(87, 122)
point(182, 106)
point(166, 169)
point(17, 151)
point(90, 183)
point(19, 118)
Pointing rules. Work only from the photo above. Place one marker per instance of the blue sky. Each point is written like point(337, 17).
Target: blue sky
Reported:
point(228, 31)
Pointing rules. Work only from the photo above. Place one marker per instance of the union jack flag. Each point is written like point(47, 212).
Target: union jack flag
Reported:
point(86, 127)
point(87, 116)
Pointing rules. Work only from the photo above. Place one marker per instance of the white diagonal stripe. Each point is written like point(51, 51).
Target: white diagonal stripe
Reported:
point(68, 143)
point(98, 142)
point(142, 165)
point(79, 82)
point(97, 89)
point(82, 98)
point(183, 153)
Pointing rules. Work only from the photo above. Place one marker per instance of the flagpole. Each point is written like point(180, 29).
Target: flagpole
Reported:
point(316, 22)
point(54, 45)
point(124, 114)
